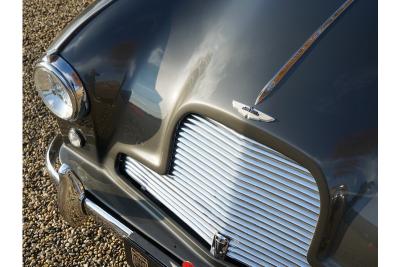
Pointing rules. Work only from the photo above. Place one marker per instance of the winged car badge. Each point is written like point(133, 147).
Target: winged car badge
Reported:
point(251, 113)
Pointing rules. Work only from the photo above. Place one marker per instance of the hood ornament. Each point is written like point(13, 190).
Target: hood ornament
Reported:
point(299, 53)
point(251, 113)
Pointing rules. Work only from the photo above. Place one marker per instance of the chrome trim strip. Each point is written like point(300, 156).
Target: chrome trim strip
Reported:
point(300, 52)
point(105, 218)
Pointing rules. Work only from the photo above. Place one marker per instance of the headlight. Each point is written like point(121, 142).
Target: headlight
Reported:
point(60, 88)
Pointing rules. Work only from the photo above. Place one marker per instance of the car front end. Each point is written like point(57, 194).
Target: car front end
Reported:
point(160, 140)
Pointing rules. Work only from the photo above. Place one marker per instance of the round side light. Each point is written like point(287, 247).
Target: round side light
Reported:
point(76, 138)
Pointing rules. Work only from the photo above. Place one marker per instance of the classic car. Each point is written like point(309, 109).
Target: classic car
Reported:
point(219, 132)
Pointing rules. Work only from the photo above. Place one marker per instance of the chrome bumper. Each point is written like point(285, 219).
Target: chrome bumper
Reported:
point(74, 205)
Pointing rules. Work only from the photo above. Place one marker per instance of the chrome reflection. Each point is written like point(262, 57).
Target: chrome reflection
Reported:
point(267, 89)
point(266, 204)
point(60, 88)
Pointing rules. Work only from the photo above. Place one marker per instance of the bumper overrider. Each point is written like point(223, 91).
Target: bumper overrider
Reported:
point(76, 206)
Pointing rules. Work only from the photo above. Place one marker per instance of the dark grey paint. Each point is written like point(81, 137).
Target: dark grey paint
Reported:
point(146, 64)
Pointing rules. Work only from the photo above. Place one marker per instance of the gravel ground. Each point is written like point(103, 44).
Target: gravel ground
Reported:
point(47, 239)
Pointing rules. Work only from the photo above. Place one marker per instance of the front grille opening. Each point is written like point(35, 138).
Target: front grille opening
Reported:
point(222, 181)
point(173, 216)
point(152, 198)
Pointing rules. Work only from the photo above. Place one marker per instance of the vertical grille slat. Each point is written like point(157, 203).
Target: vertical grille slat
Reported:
point(221, 181)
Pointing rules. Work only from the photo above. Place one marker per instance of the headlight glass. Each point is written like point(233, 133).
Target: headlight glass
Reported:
point(60, 88)
point(54, 93)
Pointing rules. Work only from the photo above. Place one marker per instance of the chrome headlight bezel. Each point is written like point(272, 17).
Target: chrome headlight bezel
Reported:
point(57, 66)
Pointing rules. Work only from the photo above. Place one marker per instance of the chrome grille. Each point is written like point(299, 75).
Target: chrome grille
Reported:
point(222, 182)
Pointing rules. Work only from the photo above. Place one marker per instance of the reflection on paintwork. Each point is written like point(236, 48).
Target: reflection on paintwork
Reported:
point(143, 86)
point(210, 57)
point(345, 86)
point(220, 50)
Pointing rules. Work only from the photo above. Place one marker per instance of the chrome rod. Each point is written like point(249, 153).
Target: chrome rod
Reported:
point(300, 52)
point(104, 218)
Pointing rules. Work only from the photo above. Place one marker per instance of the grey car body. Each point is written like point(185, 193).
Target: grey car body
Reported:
point(146, 65)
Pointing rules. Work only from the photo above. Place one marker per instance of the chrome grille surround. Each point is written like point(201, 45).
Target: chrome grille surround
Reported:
point(223, 182)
